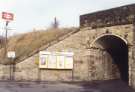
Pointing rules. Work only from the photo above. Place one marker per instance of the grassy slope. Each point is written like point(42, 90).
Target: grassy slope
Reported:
point(25, 44)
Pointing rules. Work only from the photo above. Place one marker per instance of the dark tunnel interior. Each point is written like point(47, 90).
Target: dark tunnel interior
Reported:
point(118, 50)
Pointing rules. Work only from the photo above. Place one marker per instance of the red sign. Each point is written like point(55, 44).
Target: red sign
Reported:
point(7, 16)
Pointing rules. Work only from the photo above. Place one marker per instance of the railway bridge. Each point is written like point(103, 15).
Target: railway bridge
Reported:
point(111, 43)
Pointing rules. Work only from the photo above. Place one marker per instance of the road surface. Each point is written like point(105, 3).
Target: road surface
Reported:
point(95, 86)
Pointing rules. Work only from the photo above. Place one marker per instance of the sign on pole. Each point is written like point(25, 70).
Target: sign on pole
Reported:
point(11, 54)
point(7, 16)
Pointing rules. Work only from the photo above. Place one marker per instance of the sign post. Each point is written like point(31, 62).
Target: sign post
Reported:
point(7, 17)
point(11, 56)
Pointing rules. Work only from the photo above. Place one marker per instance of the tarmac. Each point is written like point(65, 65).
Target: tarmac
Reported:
point(94, 86)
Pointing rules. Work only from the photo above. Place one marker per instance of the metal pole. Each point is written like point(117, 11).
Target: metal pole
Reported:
point(5, 47)
point(73, 72)
point(10, 71)
point(89, 58)
point(13, 68)
point(6, 29)
point(39, 75)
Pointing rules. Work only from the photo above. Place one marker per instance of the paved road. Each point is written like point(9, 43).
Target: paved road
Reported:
point(96, 86)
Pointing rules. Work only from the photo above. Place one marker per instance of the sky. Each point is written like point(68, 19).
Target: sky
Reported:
point(39, 14)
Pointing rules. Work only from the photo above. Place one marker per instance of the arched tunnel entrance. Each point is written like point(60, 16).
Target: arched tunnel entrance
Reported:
point(117, 49)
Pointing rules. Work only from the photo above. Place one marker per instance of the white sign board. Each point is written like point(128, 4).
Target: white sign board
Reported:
point(43, 61)
point(60, 62)
point(52, 62)
point(56, 60)
point(69, 62)
point(11, 54)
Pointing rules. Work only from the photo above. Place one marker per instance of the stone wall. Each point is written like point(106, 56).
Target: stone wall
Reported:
point(111, 17)
point(84, 67)
point(4, 72)
point(102, 66)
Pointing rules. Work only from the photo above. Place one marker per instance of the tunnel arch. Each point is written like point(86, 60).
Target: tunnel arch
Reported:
point(117, 47)
point(103, 35)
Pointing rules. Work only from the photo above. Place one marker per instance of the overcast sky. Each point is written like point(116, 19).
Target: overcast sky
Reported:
point(31, 14)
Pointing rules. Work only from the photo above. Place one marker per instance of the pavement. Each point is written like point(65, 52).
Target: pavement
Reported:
point(94, 86)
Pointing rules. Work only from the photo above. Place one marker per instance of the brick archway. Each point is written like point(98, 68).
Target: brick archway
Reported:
point(102, 35)
point(117, 47)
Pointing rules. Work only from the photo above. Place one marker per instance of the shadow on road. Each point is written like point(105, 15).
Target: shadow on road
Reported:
point(108, 86)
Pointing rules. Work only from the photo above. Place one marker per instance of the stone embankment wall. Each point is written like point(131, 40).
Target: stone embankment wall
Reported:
point(89, 64)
